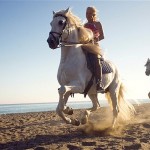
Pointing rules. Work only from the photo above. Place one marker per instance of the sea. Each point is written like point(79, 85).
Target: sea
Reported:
point(41, 107)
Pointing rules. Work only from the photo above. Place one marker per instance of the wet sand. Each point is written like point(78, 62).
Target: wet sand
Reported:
point(46, 131)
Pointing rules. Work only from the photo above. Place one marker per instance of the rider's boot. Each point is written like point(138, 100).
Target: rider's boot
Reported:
point(99, 84)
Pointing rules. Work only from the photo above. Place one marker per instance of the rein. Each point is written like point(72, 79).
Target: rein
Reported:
point(65, 43)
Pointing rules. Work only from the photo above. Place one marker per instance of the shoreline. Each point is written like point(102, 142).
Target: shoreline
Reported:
point(42, 107)
point(46, 131)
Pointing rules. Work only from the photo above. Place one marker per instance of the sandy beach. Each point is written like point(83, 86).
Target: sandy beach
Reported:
point(46, 131)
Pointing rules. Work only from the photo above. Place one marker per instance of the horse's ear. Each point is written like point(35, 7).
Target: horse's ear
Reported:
point(148, 60)
point(67, 10)
point(54, 13)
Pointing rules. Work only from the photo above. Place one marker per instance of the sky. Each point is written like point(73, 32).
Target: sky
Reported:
point(28, 67)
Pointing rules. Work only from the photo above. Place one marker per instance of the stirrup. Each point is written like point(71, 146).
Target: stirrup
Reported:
point(100, 88)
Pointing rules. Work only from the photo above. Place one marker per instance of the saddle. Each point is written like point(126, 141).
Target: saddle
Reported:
point(91, 64)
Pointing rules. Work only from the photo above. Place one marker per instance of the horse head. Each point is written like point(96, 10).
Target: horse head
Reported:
point(147, 65)
point(58, 25)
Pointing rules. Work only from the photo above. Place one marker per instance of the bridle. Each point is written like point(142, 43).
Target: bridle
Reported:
point(66, 28)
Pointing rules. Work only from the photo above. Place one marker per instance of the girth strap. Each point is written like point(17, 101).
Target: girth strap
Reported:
point(90, 83)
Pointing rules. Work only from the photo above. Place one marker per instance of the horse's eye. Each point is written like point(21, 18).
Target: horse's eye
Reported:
point(61, 22)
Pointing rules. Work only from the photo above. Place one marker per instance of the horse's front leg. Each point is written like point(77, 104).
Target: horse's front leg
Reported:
point(95, 102)
point(64, 93)
point(67, 109)
point(96, 106)
point(61, 107)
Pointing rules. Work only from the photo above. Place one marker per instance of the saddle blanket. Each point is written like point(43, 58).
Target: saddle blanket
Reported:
point(106, 68)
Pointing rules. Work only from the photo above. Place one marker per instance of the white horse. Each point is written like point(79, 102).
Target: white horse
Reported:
point(147, 72)
point(73, 74)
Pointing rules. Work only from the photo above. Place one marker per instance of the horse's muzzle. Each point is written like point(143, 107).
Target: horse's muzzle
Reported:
point(53, 42)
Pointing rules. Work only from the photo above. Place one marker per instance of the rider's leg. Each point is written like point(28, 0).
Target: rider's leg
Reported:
point(100, 86)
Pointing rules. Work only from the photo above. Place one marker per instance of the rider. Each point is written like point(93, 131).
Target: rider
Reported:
point(97, 30)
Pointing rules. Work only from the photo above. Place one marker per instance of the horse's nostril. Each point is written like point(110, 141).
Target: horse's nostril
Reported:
point(50, 41)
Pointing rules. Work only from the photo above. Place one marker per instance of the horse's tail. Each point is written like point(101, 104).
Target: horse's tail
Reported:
point(149, 94)
point(126, 109)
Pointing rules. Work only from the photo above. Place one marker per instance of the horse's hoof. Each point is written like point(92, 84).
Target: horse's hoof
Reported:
point(70, 112)
point(84, 120)
point(75, 122)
